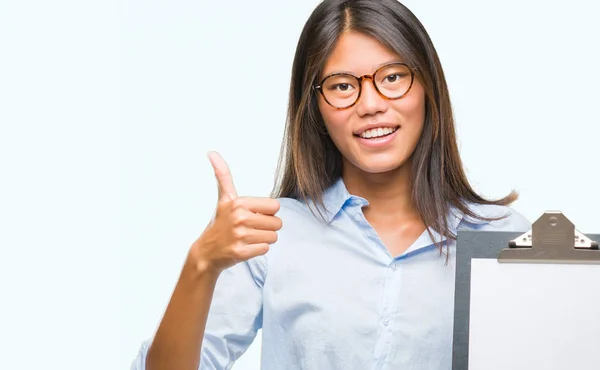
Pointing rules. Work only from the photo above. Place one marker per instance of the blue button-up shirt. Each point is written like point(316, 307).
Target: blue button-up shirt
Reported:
point(329, 295)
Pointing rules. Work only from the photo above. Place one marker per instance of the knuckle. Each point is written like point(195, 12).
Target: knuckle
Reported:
point(238, 217)
point(239, 233)
point(239, 252)
point(237, 203)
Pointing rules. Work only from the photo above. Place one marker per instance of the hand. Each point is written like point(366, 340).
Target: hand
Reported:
point(242, 228)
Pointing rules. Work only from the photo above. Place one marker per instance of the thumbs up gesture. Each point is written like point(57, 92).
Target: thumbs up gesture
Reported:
point(242, 228)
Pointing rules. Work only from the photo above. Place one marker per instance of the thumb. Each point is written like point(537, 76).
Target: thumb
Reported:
point(223, 175)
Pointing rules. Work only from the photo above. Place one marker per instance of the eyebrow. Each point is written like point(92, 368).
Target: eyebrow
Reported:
point(396, 60)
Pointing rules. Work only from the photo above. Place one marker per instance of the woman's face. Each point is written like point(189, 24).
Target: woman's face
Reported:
point(359, 54)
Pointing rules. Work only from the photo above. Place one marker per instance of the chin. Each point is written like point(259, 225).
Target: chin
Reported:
point(374, 166)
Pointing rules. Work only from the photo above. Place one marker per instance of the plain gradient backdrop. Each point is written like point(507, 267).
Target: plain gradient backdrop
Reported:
point(107, 110)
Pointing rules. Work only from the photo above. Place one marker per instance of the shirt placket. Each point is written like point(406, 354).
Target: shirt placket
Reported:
point(392, 281)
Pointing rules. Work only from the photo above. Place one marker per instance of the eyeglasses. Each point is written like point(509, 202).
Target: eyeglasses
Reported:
point(342, 90)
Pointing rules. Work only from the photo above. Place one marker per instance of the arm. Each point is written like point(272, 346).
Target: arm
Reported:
point(179, 336)
point(215, 309)
point(211, 339)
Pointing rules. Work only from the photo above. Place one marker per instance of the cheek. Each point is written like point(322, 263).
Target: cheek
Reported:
point(336, 121)
point(412, 108)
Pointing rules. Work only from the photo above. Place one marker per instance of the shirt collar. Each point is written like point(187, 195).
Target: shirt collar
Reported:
point(455, 218)
point(337, 195)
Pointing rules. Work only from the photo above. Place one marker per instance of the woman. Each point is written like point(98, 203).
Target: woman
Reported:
point(351, 264)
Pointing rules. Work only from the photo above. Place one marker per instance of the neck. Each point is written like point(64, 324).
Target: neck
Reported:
point(388, 194)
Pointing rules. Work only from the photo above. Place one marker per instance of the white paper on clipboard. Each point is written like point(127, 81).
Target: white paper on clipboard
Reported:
point(534, 316)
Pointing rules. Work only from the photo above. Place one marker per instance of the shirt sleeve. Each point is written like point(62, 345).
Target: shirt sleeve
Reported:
point(234, 318)
point(514, 222)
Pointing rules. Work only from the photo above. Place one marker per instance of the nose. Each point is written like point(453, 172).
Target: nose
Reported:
point(370, 102)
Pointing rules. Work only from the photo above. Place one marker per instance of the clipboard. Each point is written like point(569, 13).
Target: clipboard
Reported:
point(532, 262)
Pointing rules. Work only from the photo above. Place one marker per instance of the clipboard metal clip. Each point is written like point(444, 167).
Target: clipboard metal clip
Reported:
point(552, 239)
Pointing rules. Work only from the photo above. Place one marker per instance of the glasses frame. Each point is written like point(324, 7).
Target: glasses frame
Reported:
point(360, 80)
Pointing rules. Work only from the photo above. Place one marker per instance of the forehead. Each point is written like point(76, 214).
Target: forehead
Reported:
point(359, 54)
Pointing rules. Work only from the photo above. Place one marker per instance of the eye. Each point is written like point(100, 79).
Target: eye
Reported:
point(343, 87)
point(393, 78)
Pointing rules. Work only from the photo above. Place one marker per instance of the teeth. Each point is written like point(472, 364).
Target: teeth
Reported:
point(377, 132)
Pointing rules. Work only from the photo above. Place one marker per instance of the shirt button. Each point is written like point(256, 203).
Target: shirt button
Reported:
point(357, 217)
point(386, 321)
point(393, 266)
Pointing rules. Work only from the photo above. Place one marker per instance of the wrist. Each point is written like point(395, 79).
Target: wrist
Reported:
point(197, 267)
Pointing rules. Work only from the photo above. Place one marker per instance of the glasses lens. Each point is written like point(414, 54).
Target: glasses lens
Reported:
point(394, 80)
point(340, 90)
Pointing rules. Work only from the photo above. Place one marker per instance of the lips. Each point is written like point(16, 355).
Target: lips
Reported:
point(378, 142)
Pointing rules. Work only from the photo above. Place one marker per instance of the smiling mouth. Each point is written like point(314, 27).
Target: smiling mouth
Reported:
point(377, 132)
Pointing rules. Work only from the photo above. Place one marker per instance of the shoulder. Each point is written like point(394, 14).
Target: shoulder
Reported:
point(291, 206)
point(508, 219)
point(299, 221)
point(296, 210)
